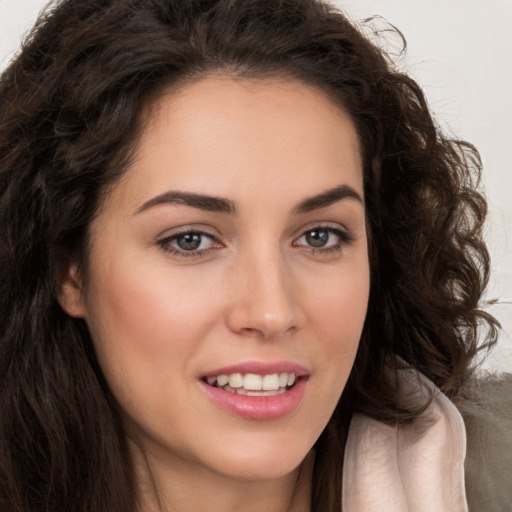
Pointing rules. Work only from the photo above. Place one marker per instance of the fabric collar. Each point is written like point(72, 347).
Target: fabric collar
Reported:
point(413, 468)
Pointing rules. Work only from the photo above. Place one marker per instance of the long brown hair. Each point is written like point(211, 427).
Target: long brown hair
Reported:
point(71, 107)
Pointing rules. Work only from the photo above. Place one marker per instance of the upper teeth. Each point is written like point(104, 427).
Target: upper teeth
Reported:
point(254, 382)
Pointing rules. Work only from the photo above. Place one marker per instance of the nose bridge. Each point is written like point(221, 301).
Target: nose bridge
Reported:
point(264, 303)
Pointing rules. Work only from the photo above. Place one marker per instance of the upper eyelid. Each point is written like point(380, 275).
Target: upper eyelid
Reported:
point(344, 234)
point(170, 238)
point(183, 230)
point(208, 231)
point(327, 225)
point(166, 243)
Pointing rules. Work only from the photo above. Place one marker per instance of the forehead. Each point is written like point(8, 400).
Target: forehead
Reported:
point(221, 135)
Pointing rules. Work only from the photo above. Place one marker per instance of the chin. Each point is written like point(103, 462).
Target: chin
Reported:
point(262, 459)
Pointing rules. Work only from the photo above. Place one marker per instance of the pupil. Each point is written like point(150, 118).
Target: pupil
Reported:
point(317, 237)
point(189, 242)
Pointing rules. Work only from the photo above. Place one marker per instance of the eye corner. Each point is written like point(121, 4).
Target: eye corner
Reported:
point(317, 239)
point(189, 243)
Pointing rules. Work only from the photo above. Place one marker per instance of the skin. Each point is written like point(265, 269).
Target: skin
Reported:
point(256, 291)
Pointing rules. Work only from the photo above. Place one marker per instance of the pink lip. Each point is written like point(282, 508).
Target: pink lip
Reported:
point(258, 407)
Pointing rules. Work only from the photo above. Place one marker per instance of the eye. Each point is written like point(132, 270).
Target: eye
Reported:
point(324, 238)
point(189, 243)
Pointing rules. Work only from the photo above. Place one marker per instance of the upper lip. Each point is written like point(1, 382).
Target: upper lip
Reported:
point(259, 368)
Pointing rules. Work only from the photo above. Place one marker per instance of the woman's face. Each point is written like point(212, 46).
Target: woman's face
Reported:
point(230, 260)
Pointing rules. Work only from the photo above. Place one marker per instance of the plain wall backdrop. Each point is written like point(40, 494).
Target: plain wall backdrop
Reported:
point(460, 52)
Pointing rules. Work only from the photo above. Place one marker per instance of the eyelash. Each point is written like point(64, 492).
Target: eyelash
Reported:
point(165, 244)
point(345, 238)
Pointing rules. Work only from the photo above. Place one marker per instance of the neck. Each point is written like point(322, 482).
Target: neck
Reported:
point(184, 487)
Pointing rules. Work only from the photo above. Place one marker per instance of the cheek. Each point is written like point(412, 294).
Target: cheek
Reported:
point(339, 305)
point(154, 306)
point(148, 326)
point(337, 311)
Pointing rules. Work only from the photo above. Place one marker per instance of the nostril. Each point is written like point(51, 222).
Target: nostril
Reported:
point(253, 332)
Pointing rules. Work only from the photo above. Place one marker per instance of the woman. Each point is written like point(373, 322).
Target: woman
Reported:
point(236, 255)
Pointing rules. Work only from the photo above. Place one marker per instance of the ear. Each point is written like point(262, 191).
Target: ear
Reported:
point(70, 296)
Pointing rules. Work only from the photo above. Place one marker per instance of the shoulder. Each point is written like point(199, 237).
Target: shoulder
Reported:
point(487, 413)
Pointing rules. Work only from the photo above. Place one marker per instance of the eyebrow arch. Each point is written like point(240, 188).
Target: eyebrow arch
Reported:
point(221, 205)
point(208, 203)
point(327, 198)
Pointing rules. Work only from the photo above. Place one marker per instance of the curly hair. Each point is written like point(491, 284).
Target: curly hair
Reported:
point(72, 105)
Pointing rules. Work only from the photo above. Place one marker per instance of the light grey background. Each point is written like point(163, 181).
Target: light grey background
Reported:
point(460, 51)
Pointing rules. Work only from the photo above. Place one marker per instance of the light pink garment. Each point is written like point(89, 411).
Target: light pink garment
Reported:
point(416, 468)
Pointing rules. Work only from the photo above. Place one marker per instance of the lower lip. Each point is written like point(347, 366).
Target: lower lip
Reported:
point(258, 407)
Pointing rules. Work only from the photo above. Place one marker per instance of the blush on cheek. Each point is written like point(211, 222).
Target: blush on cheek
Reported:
point(343, 307)
point(146, 315)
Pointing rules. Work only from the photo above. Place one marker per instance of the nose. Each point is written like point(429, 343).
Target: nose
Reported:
point(265, 302)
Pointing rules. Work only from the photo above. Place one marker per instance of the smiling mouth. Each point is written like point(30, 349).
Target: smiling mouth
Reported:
point(251, 384)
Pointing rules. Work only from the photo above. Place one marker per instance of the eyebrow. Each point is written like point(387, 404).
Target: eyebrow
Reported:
point(222, 205)
point(327, 198)
point(203, 202)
